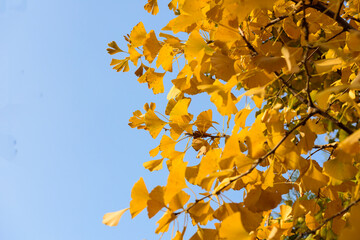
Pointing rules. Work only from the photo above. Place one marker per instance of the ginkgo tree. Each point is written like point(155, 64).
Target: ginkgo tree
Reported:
point(297, 62)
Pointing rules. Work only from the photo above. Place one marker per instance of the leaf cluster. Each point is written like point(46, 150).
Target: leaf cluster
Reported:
point(297, 163)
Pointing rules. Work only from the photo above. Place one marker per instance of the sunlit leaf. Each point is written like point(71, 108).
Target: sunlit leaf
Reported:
point(112, 219)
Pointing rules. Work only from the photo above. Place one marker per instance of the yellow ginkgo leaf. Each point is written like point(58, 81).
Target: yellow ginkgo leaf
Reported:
point(181, 108)
point(352, 231)
point(165, 57)
point(165, 221)
point(179, 201)
point(134, 55)
point(139, 197)
point(204, 121)
point(269, 64)
point(339, 168)
point(353, 40)
point(232, 228)
point(114, 48)
point(208, 164)
point(255, 78)
point(201, 213)
point(196, 47)
point(313, 179)
point(156, 201)
point(327, 65)
point(205, 233)
point(290, 60)
point(151, 46)
point(258, 200)
point(351, 144)
point(240, 117)
point(112, 219)
point(153, 123)
point(152, 6)
point(176, 179)
point(120, 64)
point(138, 35)
point(153, 165)
point(223, 66)
point(269, 177)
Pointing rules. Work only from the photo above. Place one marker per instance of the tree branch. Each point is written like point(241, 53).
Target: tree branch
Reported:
point(323, 9)
point(329, 219)
point(248, 44)
point(255, 164)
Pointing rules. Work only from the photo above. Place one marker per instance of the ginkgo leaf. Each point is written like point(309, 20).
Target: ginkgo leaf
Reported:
point(201, 213)
point(204, 121)
point(114, 48)
point(153, 123)
point(176, 180)
point(173, 93)
point(313, 179)
point(152, 6)
point(196, 47)
point(353, 40)
point(120, 64)
point(241, 116)
point(352, 231)
point(258, 200)
point(291, 29)
point(134, 56)
point(269, 176)
point(153, 165)
point(165, 57)
point(290, 60)
point(156, 201)
point(339, 169)
point(351, 144)
point(232, 228)
point(180, 109)
point(179, 201)
point(269, 64)
point(255, 78)
point(139, 197)
point(112, 219)
point(205, 233)
point(165, 221)
point(208, 165)
point(223, 66)
point(327, 65)
point(138, 35)
point(151, 46)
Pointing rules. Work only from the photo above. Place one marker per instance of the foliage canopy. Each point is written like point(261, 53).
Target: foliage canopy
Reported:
point(297, 62)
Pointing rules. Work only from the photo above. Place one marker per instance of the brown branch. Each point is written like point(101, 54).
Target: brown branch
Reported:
point(248, 44)
point(329, 219)
point(323, 9)
point(339, 124)
point(337, 14)
point(278, 19)
point(329, 145)
point(296, 93)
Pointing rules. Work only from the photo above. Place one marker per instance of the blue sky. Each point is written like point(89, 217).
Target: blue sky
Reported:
point(67, 155)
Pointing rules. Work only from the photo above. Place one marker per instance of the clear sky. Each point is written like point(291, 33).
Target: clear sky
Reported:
point(67, 155)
